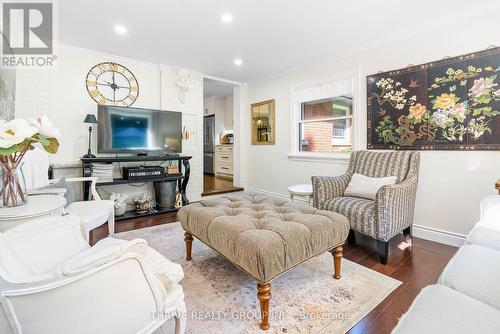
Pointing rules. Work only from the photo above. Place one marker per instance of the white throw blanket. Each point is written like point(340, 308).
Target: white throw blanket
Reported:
point(35, 169)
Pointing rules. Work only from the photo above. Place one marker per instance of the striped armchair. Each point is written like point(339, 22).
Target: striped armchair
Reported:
point(392, 210)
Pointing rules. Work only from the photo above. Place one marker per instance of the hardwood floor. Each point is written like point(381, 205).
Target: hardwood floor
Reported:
point(213, 185)
point(132, 224)
point(415, 266)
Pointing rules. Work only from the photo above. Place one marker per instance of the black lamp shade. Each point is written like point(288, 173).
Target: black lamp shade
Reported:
point(90, 119)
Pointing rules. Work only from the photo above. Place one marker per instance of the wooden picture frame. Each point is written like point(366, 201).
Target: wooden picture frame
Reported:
point(263, 122)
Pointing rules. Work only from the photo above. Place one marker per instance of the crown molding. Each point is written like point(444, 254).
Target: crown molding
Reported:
point(226, 81)
point(126, 59)
point(164, 67)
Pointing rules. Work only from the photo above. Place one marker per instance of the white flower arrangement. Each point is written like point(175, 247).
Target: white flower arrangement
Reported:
point(45, 127)
point(16, 138)
point(15, 132)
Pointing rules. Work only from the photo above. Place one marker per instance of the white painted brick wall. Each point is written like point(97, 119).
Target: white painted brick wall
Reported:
point(192, 111)
point(34, 93)
point(60, 93)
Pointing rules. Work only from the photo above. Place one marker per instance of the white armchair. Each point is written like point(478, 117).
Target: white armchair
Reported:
point(51, 281)
point(92, 213)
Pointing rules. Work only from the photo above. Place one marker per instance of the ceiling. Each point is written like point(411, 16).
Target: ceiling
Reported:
point(216, 88)
point(271, 37)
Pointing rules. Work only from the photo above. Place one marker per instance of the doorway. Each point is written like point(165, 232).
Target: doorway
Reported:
point(218, 137)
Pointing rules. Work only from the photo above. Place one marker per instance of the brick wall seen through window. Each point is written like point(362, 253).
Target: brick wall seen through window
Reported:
point(326, 125)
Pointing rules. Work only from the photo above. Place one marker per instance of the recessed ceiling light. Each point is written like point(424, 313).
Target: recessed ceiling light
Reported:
point(226, 18)
point(120, 29)
point(238, 62)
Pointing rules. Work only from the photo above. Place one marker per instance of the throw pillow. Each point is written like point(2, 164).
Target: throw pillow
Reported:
point(367, 187)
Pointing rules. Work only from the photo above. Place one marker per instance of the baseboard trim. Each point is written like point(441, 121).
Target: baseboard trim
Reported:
point(437, 235)
point(419, 231)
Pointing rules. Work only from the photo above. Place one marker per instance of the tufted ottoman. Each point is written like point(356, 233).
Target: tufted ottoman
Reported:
point(264, 236)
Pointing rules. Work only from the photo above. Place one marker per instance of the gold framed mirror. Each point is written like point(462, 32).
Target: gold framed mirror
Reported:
point(263, 123)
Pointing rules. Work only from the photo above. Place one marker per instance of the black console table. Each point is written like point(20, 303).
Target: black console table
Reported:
point(182, 177)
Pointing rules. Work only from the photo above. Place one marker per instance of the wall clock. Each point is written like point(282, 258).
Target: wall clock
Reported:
point(112, 84)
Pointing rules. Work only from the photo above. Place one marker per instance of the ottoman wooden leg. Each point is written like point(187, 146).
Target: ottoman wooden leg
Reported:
point(264, 295)
point(337, 258)
point(188, 238)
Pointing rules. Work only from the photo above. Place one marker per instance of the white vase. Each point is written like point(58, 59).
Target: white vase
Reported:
point(13, 187)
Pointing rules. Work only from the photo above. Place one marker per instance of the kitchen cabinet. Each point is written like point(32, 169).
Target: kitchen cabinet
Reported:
point(224, 161)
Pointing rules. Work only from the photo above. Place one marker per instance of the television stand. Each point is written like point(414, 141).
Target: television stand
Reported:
point(142, 155)
point(182, 178)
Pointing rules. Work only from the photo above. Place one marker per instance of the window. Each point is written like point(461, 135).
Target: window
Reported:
point(323, 118)
point(325, 125)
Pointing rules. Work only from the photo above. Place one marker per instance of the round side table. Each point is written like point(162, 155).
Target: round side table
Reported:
point(38, 206)
point(302, 190)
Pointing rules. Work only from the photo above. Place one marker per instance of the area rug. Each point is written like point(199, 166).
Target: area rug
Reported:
point(220, 298)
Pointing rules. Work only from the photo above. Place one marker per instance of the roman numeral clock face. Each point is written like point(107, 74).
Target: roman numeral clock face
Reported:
point(112, 84)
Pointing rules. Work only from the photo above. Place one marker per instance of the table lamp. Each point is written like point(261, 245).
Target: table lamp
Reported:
point(90, 119)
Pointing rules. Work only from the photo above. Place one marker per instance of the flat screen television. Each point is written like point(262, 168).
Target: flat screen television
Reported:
point(137, 130)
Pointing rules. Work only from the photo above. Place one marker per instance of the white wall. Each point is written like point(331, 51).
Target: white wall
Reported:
point(228, 113)
point(241, 119)
point(222, 108)
point(61, 94)
point(451, 183)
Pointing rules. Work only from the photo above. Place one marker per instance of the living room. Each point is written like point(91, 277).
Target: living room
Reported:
point(356, 152)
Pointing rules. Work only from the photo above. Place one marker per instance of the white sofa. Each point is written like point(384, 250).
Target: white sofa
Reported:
point(52, 282)
point(466, 298)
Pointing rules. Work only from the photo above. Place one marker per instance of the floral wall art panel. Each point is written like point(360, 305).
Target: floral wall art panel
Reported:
point(451, 104)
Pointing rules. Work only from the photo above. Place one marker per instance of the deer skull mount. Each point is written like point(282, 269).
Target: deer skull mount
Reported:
point(184, 83)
